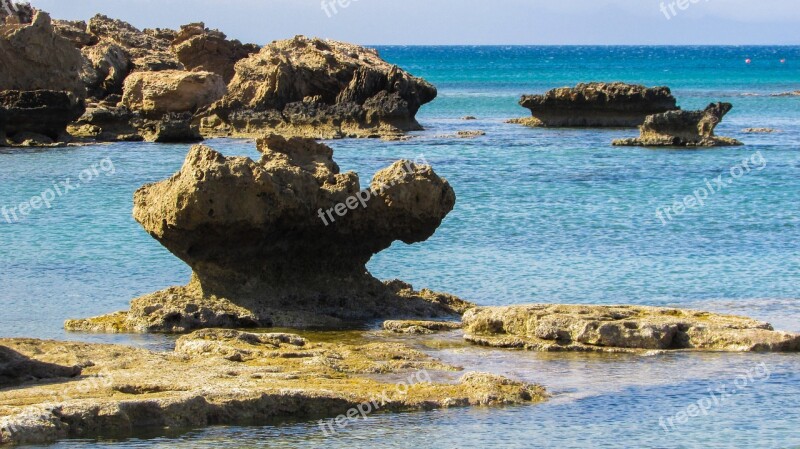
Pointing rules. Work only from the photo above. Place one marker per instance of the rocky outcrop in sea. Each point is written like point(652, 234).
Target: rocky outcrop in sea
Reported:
point(596, 105)
point(284, 241)
point(182, 85)
point(683, 129)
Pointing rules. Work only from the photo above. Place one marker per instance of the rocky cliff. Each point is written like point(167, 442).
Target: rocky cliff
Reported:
point(597, 105)
point(284, 241)
point(683, 129)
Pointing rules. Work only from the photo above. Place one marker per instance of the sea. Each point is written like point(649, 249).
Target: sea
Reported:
point(542, 216)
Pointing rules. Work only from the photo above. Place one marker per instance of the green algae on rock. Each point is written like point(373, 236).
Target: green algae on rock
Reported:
point(229, 377)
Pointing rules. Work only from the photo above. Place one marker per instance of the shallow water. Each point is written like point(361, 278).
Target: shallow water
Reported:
point(542, 216)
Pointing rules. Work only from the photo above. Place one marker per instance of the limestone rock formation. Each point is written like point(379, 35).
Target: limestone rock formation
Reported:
point(683, 129)
point(34, 57)
point(201, 49)
point(16, 368)
point(543, 327)
point(284, 241)
point(149, 50)
point(171, 91)
point(219, 377)
point(105, 68)
point(315, 88)
point(597, 105)
point(420, 327)
point(39, 115)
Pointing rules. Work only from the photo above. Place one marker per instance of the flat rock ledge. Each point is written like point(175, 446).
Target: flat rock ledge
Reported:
point(225, 377)
point(683, 129)
point(267, 249)
point(596, 105)
point(420, 327)
point(620, 329)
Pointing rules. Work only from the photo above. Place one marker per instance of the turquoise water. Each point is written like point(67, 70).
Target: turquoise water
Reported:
point(542, 216)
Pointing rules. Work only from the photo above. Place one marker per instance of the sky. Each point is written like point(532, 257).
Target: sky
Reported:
point(466, 22)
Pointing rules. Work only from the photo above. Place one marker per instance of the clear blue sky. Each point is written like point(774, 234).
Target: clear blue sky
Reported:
point(466, 21)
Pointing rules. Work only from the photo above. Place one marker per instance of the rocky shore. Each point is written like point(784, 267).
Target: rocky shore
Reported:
point(614, 329)
point(596, 105)
point(683, 129)
point(105, 80)
point(219, 377)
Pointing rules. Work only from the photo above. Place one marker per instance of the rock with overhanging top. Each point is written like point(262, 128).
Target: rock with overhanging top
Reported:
point(201, 49)
point(683, 129)
point(597, 105)
point(284, 241)
point(317, 88)
point(588, 328)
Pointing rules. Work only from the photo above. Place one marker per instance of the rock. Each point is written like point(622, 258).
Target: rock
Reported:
point(420, 327)
point(42, 112)
point(34, 57)
point(107, 64)
point(470, 134)
point(16, 369)
point(201, 49)
point(171, 91)
point(469, 117)
point(222, 377)
point(75, 31)
point(597, 105)
point(759, 130)
point(620, 329)
point(108, 124)
point(322, 89)
point(12, 12)
point(149, 51)
point(284, 241)
point(787, 94)
point(683, 129)
point(171, 128)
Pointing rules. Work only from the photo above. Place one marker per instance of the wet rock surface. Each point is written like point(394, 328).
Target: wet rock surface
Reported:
point(596, 105)
point(620, 329)
point(420, 327)
point(683, 129)
point(225, 377)
point(284, 241)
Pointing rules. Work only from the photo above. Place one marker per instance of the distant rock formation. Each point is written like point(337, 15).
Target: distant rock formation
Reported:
point(284, 241)
point(683, 129)
point(201, 49)
point(547, 327)
point(316, 88)
point(596, 105)
point(795, 93)
point(40, 87)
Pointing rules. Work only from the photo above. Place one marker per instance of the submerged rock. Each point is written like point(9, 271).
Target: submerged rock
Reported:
point(620, 329)
point(597, 105)
point(760, 130)
point(316, 88)
point(225, 377)
point(420, 327)
point(683, 129)
point(284, 241)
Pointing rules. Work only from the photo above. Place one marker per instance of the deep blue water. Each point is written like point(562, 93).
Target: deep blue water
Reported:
point(542, 216)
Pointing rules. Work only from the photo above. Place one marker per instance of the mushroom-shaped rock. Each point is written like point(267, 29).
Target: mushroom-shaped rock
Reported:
point(683, 129)
point(597, 105)
point(284, 241)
